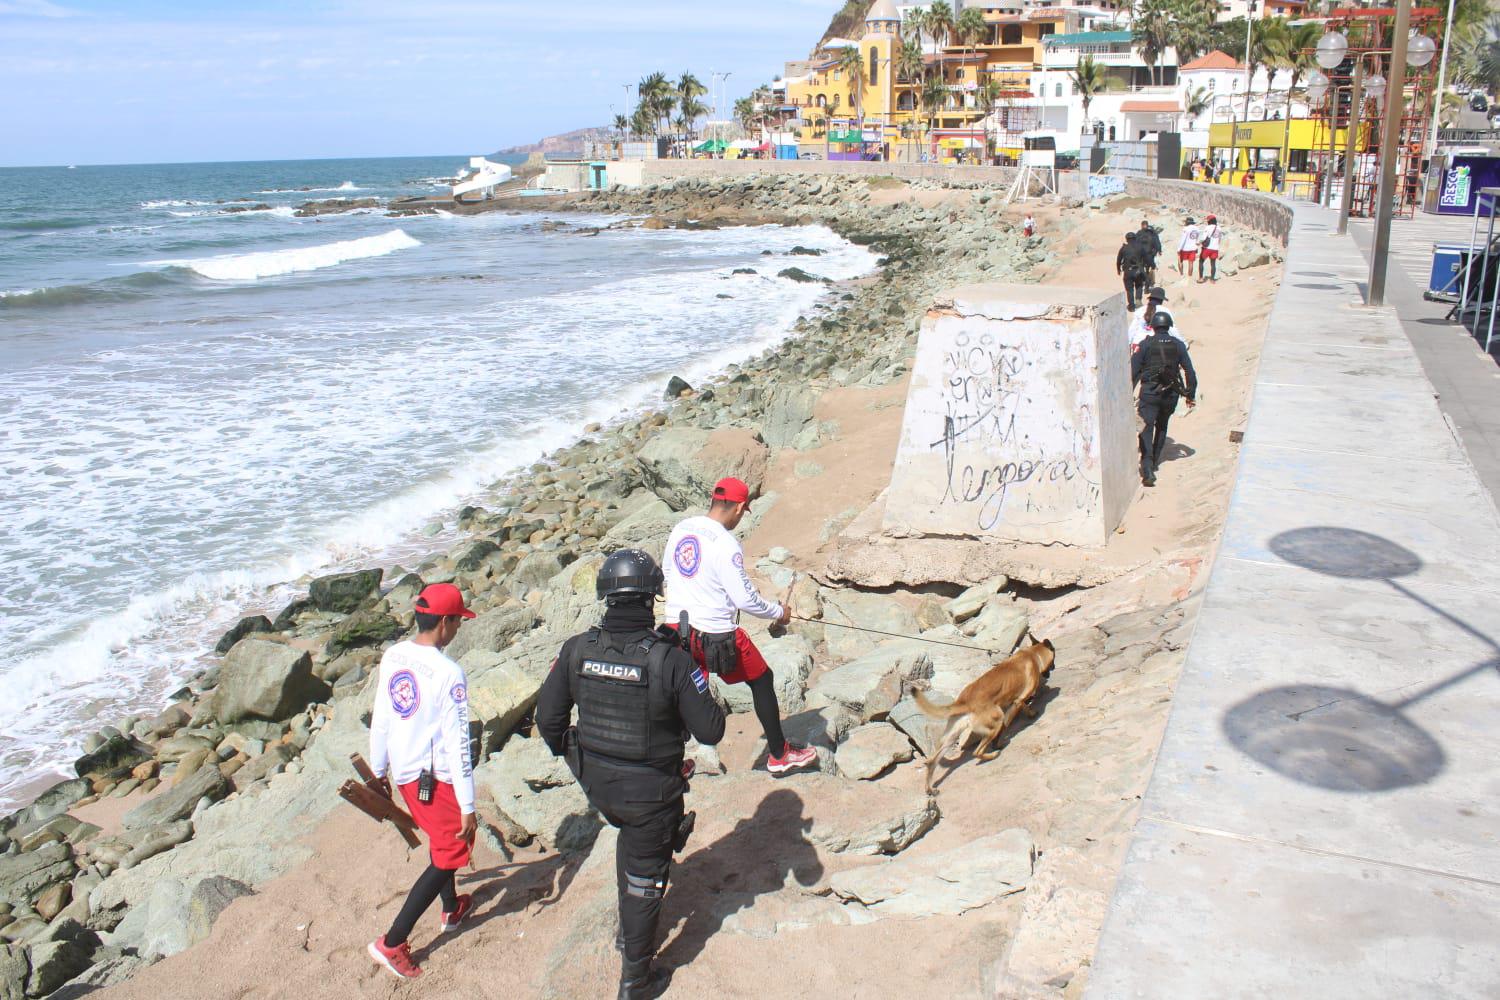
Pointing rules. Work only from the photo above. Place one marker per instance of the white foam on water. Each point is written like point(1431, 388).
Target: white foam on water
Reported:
point(271, 263)
point(184, 483)
point(172, 203)
point(346, 186)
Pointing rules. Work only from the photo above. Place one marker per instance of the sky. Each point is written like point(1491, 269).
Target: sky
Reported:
point(167, 81)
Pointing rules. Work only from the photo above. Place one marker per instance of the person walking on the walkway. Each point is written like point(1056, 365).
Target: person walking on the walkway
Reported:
point(419, 734)
point(1130, 265)
point(1211, 236)
point(707, 583)
point(1187, 248)
point(1150, 241)
point(1163, 370)
point(639, 695)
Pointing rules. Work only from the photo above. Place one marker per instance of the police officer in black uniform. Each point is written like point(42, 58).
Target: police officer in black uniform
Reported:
point(639, 696)
point(1149, 241)
point(1159, 367)
point(1130, 264)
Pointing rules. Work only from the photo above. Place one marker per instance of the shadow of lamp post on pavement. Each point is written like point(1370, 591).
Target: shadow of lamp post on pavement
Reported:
point(1334, 737)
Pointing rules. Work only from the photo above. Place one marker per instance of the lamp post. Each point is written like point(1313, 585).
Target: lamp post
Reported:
point(1234, 128)
point(1437, 96)
point(1332, 48)
point(1351, 135)
point(1395, 105)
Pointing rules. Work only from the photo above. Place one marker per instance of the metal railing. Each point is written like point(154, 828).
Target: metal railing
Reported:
point(1472, 307)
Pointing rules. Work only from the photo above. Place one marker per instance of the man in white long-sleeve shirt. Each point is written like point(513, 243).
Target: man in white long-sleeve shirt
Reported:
point(419, 735)
point(706, 579)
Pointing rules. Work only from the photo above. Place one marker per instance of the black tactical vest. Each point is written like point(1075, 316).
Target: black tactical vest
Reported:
point(1161, 375)
point(620, 690)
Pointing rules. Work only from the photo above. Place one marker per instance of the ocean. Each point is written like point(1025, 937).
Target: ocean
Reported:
point(201, 406)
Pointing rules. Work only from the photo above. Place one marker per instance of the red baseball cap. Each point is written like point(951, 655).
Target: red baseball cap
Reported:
point(733, 490)
point(443, 600)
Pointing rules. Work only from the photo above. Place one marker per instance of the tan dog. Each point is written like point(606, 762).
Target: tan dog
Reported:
point(988, 705)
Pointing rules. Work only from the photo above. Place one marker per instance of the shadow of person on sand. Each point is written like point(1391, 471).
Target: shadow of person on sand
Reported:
point(1018, 725)
point(1176, 449)
point(727, 876)
point(524, 883)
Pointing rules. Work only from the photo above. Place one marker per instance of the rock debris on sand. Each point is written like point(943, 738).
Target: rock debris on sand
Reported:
point(209, 841)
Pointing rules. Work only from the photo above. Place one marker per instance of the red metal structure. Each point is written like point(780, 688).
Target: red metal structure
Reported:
point(1369, 30)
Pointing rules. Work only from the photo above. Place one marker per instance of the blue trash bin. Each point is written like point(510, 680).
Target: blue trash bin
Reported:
point(1446, 282)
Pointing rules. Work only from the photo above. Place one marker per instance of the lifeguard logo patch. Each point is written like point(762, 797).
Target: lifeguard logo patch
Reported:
point(626, 673)
point(460, 693)
point(688, 555)
point(405, 696)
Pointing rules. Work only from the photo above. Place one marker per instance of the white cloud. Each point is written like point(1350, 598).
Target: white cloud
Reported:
point(33, 8)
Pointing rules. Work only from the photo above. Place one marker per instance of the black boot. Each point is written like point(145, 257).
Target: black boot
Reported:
point(639, 981)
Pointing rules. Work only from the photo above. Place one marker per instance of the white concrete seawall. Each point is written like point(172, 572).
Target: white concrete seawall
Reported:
point(1324, 815)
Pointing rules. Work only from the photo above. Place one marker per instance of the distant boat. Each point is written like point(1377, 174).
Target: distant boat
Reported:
point(482, 179)
point(71, 167)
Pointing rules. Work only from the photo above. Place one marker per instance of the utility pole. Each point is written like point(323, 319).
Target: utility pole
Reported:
point(1356, 100)
point(1234, 128)
point(1395, 107)
point(1437, 97)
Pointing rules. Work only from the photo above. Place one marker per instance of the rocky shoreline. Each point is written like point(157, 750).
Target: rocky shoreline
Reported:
point(224, 784)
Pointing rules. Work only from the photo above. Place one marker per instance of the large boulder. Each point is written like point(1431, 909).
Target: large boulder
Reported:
point(265, 680)
point(179, 801)
point(872, 685)
point(681, 464)
point(54, 963)
point(342, 593)
point(501, 692)
point(58, 799)
point(536, 790)
point(947, 883)
point(872, 611)
point(250, 625)
point(491, 631)
point(645, 527)
point(209, 898)
point(871, 750)
point(24, 877)
point(570, 603)
point(363, 628)
point(115, 752)
point(13, 971)
point(787, 409)
point(887, 835)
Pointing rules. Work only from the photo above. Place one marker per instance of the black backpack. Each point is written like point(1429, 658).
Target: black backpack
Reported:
point(1163, 374)
point(1137, 260)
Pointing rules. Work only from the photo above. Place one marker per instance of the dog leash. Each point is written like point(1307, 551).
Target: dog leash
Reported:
point(897, 635)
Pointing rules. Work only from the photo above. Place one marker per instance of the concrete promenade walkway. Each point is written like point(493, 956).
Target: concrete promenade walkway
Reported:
point(1324, 816)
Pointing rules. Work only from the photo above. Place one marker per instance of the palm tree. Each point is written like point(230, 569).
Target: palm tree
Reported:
point(1192, 28)
point(989, 96)
point(911, 67)
point(934, 98)
point(1154, 31)
point(971, 29)
point(1477, 61)
point(851, 62)
point(1196, 103)
point(622, 125)
point(1090, 78)
point(688, 90)
point(643, 122)
point(1268, 38)
point(656, 96)
point(940, 22)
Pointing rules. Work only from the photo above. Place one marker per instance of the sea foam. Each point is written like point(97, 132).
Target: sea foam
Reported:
point(270, 263)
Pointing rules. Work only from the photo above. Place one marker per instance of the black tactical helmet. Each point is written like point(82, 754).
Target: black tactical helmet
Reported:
point(1131, 235)
point(1161, 320)
point(629, 571)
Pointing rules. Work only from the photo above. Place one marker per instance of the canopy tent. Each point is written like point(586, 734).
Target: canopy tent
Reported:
point(711, 146)
point(846, 135)
point(764, 147)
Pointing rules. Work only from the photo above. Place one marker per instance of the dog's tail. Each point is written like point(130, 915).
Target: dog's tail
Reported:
point(937, 711)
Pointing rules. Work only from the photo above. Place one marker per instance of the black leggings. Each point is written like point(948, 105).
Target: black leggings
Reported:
point(763, 691)
point(431, 884)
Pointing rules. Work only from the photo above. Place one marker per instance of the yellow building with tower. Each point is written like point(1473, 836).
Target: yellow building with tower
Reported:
point(848, 111)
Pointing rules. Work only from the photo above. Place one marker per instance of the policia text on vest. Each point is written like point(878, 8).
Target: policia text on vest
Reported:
point(639, 696)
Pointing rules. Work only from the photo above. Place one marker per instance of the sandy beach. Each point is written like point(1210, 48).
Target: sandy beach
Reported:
point(777, 877)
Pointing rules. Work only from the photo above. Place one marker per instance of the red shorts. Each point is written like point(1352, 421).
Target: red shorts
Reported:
point(1187, 255)
point(752, 664)
point(441, 820)
point(1210, 255)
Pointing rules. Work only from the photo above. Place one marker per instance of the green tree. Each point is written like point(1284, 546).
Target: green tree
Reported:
point(1269, 38)
point(940, 22)
point(656, 94)
point(1091, 79)
point(689, 88)
point(1196, 103)
point(1192, 28)
point(643, 122)
point(934, 99)
point(989, 99)
point(851, 62)
point(1476, 56)
point(622, 125)
point(971, 31)
point(1154, 31)
point(911, 69)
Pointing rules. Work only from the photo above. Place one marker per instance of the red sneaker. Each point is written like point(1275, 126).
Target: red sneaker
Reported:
point(452, 920)
point(793, 758)
point(397, 960)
